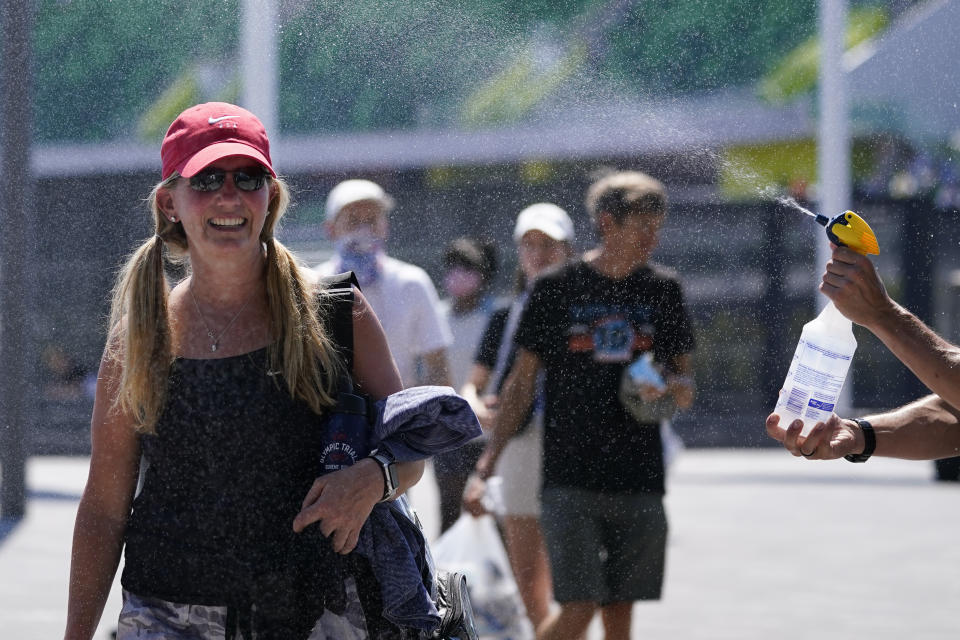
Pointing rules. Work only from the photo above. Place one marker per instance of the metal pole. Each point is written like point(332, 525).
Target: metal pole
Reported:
point(833, 148)
point(833, 145)
point(259, 55)
point(15, 189)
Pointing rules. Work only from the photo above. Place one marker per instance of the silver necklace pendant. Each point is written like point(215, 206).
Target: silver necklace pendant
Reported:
point(215, 339)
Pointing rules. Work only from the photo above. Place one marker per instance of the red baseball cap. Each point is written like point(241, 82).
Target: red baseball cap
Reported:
point(207, 132)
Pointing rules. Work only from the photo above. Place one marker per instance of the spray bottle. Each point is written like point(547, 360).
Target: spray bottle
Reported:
point(826, 345)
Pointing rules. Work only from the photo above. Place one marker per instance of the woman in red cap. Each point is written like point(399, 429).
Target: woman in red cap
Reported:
point(218, 385)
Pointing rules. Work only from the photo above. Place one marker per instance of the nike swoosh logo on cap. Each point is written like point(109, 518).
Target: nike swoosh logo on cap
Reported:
point(216, 120)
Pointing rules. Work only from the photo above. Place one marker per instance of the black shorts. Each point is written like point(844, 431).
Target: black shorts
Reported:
point(604, 548)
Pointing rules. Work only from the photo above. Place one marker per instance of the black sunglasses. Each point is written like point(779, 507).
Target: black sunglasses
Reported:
point(212, 179)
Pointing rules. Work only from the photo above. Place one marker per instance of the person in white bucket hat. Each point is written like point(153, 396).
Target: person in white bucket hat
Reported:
point(402, 295)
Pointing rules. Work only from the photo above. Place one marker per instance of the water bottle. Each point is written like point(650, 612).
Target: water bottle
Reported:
point(818, 369)
point(346, 435)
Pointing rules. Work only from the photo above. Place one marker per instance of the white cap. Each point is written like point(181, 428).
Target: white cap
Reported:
point(350, 191)
point(545, 217)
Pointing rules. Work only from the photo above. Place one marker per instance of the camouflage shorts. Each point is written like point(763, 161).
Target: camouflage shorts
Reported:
point(143, 618)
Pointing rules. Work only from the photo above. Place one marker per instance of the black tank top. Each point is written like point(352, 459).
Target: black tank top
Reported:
point(231, 461)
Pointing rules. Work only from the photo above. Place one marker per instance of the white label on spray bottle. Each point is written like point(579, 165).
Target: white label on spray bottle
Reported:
point(813, 384)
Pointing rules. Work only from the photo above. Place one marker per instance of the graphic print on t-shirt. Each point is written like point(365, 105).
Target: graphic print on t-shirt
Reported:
point(611, 332)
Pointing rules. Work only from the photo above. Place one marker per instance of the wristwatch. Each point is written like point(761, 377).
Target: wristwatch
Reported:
point(869, 442)
point(389, 468)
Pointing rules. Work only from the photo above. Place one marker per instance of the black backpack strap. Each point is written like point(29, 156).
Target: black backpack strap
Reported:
point(340, 322)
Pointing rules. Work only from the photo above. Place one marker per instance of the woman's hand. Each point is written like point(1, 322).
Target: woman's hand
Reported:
point(341, 502)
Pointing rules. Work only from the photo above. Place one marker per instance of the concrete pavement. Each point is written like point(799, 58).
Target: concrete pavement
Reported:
point(762, 545)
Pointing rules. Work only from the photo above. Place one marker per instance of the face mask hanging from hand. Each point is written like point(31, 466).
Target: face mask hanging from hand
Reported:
point(360, 251)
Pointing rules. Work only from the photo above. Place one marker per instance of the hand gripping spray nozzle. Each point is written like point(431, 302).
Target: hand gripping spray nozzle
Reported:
point(826, 347)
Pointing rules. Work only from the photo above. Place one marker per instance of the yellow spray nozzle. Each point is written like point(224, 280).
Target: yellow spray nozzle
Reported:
point(849, 229)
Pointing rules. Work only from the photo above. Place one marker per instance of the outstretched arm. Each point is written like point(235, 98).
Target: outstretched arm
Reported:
point(926, 429)
point(855, 288)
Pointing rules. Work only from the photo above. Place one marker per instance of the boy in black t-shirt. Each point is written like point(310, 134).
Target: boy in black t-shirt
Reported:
point(602, 501)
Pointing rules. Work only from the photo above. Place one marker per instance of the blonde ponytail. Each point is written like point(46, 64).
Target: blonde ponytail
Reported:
point(140, 335)
point(302, 349)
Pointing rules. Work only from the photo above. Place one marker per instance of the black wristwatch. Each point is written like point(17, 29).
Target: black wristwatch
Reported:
point(389, 468)
point(869, 442)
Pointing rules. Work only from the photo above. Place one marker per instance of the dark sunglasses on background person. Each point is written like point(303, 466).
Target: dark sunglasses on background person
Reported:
point(212, 179)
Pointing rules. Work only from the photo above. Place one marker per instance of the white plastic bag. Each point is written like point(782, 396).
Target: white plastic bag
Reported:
point(473, 546)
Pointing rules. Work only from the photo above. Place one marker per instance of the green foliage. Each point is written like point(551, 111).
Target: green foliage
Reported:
point(100, 64)
point(368, 64)
point(797, 72)
point(697, 45)
point(514, 92)
point(376, 65)
point(184, 92)
point(110, 69)
point(533, 11)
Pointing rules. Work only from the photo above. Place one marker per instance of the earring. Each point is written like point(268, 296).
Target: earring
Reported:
point(173, 218)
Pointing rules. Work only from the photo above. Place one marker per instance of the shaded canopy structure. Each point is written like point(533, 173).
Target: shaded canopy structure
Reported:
point(905, 81)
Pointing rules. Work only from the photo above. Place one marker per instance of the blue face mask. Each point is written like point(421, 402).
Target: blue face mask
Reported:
point(360, 251)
